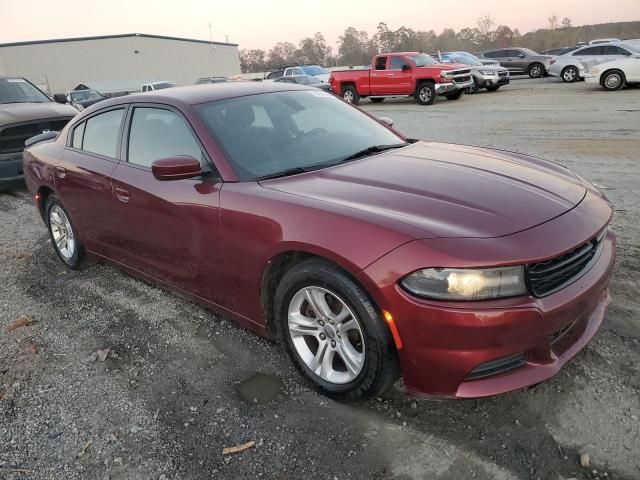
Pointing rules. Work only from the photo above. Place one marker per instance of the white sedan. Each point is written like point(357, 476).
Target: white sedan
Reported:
point(616, 74)
point(567, 66)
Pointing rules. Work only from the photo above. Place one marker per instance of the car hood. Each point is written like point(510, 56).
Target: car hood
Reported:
point(489, 68)
point(446, 190)
point(88, 103)
point(24, 112)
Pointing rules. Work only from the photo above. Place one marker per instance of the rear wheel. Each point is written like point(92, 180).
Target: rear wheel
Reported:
point(377, 99)
point(536, 70)
point(570, 74)
point(455, 95)
point(613, 80)
point(64, 237)
point(426, 93)
point(350, 95)
point(333, 332)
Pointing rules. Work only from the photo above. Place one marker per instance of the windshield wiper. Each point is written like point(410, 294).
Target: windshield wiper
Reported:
point(371, 150)
point(286, 173)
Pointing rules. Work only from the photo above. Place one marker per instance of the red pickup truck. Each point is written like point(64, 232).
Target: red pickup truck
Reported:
point(402, 73)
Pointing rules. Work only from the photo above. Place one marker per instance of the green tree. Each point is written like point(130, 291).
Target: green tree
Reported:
point(283, 53)
point(355, 47)
point(252, 60)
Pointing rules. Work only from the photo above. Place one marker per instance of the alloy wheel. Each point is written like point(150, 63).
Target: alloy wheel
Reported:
point(348, 96)
point(425, 94)
point(536, 71)
point(569, 75)
point(326, 335)
point(62, 232)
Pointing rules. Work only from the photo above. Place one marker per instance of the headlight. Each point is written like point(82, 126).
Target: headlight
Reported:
point(445, 75)
point(466, 284)
point(488, 72)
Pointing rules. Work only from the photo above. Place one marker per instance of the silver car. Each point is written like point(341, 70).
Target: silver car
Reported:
point(570, 66)
point(489, 76)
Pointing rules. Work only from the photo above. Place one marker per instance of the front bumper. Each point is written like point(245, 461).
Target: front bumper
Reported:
point(11, 173)
point(484, 81)
point(451, 87)
point(592, 78)
point(444, 344)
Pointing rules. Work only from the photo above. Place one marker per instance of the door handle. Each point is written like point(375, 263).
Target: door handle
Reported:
point(61, 172)
point(122, 195)
point(389, 74)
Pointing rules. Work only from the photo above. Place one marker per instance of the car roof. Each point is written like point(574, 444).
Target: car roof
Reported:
point(196, 94)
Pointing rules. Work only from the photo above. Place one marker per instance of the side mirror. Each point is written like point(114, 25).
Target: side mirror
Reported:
point(386, 120)
point(521, 55)
point(60, 98)
point(176, 168)
point(406, 67)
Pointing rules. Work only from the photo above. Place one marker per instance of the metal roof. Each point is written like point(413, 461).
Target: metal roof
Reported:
point(105, 37)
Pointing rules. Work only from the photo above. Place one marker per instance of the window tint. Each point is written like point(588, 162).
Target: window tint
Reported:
point(491, 54)
point(589, 51)
point(381, 63)
point(613, 50)
point(156, 134)
point(512, 53)
point(101, 133)
point(76, 141)
point(397, 63)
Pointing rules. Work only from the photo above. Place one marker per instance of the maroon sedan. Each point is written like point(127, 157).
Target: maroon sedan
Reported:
point(471, 271)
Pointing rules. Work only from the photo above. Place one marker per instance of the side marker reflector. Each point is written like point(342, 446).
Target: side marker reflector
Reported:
point(394, 330)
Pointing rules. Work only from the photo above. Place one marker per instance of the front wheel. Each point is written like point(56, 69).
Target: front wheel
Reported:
point(455, 95)
point(64, 236)
point(426, 93)
point(613, 80)
point(493, 88)
point(473, 88)
point(570, 74)
point(333, 333)
point(350, 95)
point(536, 70)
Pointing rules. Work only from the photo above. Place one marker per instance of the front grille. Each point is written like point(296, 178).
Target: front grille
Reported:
point(462, 79)
point(500, 365)
point(12, 138)
point(545, 278)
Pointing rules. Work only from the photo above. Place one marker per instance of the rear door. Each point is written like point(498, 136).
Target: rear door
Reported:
point(167, 229)
point(516, 61)
point(83, 176)
point(378, 82)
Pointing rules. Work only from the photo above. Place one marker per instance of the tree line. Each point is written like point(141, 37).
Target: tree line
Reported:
point(356, 47)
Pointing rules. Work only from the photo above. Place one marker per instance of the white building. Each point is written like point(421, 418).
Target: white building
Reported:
point(129, 59)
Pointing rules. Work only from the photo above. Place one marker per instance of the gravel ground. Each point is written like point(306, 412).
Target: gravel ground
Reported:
point(180, 383)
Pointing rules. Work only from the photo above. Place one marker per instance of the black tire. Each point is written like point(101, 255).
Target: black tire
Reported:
point(455, 95)
point(350, 95)
point(493, 88)
point(380, 367)
point(570, 74)
point(377, 99)
point(613, 80)
point(536, 70)
point(424, 98)
point(79, 258)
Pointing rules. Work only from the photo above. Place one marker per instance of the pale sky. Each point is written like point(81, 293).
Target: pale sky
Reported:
point(262, 23)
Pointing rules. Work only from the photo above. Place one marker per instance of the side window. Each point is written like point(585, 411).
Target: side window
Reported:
point(381, 63)
point(491, 54)
point(397, 63)
point(288, 72)
point(76, 140)
point(511, 53)
point(156, 133)
point(589, 51)
point(101, 133)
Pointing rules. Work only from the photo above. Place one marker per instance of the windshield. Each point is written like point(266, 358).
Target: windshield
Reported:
point(314, 70)
point(308, 80)
point(269, 133)
point(18, 90)
point(84, 95)
point(528, 51)
point(460, 58)
point(161, 85)
point(422, 59)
